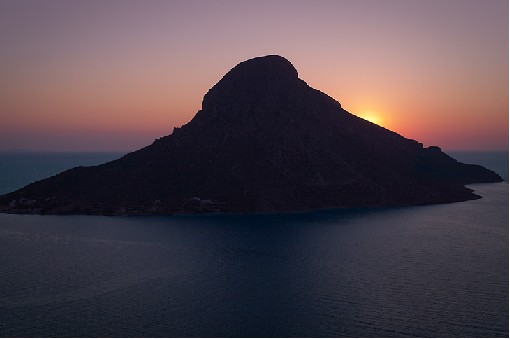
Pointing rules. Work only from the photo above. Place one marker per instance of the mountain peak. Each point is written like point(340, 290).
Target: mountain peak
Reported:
point(254, 78)
point(271, 66)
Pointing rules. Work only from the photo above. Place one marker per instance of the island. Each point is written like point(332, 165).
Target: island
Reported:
point(263, 141)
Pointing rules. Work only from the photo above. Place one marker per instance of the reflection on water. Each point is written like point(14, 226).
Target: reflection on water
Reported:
point(423, 271)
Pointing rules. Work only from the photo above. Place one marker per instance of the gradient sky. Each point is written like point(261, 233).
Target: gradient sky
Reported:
point(115, 75)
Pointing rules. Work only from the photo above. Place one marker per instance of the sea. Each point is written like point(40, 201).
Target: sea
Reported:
point(427, 271)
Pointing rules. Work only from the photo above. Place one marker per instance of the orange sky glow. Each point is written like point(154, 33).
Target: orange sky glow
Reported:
point(115, 75)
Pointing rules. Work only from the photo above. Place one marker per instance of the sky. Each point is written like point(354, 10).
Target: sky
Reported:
point(115, 75)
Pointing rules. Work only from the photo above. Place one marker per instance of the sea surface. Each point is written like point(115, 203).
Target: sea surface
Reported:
point(429, 271)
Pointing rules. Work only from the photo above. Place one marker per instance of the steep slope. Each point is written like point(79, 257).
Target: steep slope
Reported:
point(263, 141)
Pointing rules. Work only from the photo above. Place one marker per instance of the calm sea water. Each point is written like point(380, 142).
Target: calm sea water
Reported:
point(426, 271)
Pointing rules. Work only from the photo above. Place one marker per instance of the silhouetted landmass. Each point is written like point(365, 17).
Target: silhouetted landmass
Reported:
point(263, 141)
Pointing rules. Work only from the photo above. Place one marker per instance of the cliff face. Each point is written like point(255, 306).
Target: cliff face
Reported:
point(263, 141)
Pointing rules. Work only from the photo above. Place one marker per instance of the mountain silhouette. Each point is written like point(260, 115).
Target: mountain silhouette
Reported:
point(263, 141)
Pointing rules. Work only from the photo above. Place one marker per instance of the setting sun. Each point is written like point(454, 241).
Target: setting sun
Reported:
point(372, 117)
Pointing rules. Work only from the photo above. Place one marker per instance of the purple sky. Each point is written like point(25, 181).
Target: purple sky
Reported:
point(114, 75)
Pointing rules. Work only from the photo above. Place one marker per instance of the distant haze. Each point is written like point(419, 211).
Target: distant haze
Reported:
point(115, 75)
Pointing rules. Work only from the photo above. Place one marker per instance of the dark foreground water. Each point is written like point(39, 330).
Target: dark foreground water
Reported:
point(427, 271)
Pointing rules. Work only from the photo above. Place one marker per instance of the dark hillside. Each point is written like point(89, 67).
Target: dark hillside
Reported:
point(263, 141)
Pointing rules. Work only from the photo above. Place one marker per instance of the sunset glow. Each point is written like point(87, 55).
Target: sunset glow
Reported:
point(373, 118)
point(115, 75)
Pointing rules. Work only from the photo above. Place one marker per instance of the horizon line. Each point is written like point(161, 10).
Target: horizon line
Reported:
point(28, 150)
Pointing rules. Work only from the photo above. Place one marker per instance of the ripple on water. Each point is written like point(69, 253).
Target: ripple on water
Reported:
point(432, 271)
